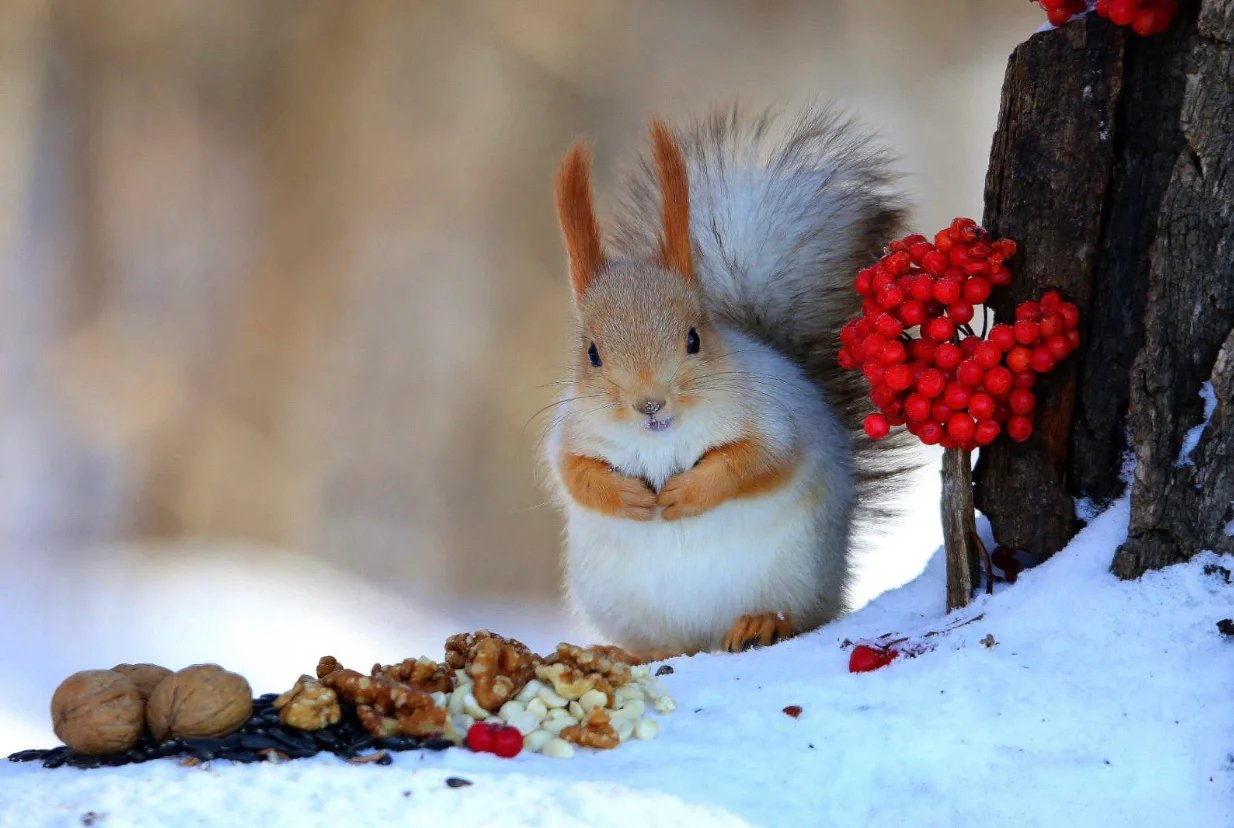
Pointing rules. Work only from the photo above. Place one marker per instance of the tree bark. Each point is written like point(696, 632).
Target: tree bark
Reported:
point(1183, 494)
point(1112, 168)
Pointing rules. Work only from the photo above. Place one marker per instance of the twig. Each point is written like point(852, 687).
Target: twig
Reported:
point(986, 564)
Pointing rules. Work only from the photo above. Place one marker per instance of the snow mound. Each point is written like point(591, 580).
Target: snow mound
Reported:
point(1095, 702)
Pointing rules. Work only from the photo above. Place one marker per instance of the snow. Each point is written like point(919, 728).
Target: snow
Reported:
point(1192, 438)
point(1102, 702)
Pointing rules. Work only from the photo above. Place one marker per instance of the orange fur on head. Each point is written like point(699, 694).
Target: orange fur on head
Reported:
point(675, 195)
point(578, 219)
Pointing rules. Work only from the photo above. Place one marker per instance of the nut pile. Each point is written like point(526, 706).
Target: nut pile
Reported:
point(574, 697)
point(494, 691)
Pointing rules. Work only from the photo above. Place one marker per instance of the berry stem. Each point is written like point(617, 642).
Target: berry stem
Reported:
point(959, 526)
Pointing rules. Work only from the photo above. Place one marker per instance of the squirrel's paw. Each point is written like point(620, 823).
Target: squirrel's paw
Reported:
point(636, 500)
point(760, 630)
point(689, 494)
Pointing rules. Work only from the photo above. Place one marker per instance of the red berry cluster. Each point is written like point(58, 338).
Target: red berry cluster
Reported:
point(490, 737)
point(1145, 17)
point(865, 658)
point(947, 384)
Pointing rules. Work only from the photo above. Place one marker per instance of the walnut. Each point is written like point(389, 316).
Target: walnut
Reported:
point(199, 701)
point(327, 665)
point(500, 667)
point(145, 676)
point(611, 662)
point(308, 705)
point(571, 683)
point(385, 707)
point(596, 730)
point(98, 711)
point(422, 674)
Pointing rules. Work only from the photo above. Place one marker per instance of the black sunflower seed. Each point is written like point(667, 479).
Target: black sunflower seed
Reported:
point(55, 759)
point(82, 760)
point(258, 741)
point(437, 743)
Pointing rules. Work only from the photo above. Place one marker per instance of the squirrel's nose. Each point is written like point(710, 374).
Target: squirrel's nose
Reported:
point(649, 407)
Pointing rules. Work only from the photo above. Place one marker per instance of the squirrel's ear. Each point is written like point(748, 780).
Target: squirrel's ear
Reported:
point(578, 219)
point(675, 195)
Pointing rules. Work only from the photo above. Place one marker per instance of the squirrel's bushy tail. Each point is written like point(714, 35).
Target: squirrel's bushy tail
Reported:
point(784, 212)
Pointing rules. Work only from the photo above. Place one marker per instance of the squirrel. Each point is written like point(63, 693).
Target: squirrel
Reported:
point(707, 452)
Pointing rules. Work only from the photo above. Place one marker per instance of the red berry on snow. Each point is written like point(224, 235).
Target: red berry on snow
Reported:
point(507, 742)
point(864, 658)
point(930, 432)
point(481, 736)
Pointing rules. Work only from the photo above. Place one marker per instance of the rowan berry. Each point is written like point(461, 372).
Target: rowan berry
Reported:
point(1019, 428)
point(998, 381)
point(876, 426)
point(1003, 336)
point(947, 356)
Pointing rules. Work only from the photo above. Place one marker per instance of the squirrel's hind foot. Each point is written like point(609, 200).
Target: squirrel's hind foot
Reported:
point(761, 630)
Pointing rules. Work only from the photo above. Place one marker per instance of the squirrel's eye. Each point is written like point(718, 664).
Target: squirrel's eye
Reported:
point(593, 354)
point(692, 342)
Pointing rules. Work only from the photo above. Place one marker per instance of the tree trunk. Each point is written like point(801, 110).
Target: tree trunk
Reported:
point(1112, 168)
point(1183, 494)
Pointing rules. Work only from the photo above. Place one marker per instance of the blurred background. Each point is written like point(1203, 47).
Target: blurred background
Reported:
point(281, 293)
